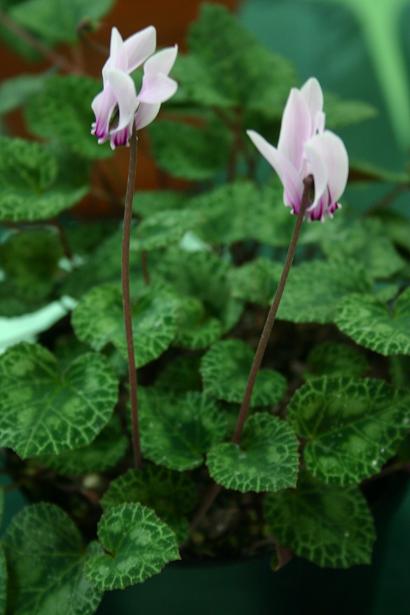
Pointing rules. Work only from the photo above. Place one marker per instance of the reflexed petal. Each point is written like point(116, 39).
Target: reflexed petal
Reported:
point(146, 114)
point(290, 178)
point(139, 47)
point(317, 167)
point(161, 62)
point(124, 91)
point(115, 43)
point(295, 130)
point(313, 96)
point(157, 89)
point(103, 106)
point(333, 152)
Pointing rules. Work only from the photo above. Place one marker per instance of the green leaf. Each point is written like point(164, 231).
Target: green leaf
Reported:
point(351, 427)
point(335, 359)
point(46, 558)
point(177, 430)
point(240, 68)
point(329, 526)
point(3, 581)
point(164, 228)
point(315, 290)
point(98, 320)
point(171, 494)
point(180, 375)
point(256, 281)
point(135, 545)
point(225, 370)
point(364, 241)
point(29, 264)
point(375, 325)
point(340, 113)
point(103, 453)
point(29, 179)
point(62, 113)
point(45, 409)
point(206, 308)
point(16, 91)
point(149, 202)
point(195, 84)
point(56, 21)
point(265, 460)
point(190, 152)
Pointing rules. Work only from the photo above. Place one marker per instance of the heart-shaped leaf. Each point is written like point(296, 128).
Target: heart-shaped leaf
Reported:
point(375, 325)
point(265, 460)
point(315, 290)
point(225, 370)
point(335, 359)
point(177, 430)
point(98, 320)
point(46, 409)
point(135, 545)
point(351, 427)
point(29, 179)
point(172, 495)
point(327, 525)
point(256, 281)
point(46, 557)
point(162, 229)
point(149, 202)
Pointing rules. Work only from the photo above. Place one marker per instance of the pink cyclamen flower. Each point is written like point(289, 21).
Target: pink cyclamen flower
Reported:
point(306, 148)
point(119, 96)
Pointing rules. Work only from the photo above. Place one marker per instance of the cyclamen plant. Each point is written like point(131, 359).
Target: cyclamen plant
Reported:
point(238, 438)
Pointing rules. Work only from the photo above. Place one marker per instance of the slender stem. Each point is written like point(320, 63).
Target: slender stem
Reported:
point(215, 489)
point(270, 321)
point(36, 44)
point(125, 277)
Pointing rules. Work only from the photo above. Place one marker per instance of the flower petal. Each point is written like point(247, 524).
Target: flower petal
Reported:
point(332, 151)
point(161, 62)
point(146, 114)
point(139, 47)
point(103, 107)
point(313, 96)
point(157, 89)
point(290, 178)
point(296, 129)
point(316, 165)
point(123, 88)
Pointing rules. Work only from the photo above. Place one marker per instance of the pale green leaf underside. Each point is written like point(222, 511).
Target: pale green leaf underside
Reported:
point(266, 460)
point(375, 325)
point(46, 557)
point(45, 409)
point(98, 320)
point(225, 370)
point(177, 430)
point(351, 427)
point(329, 526)
point(30, 188)
point(335, 359)
point(136, 545)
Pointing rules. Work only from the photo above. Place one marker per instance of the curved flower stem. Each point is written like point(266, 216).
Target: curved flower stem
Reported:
point(215, 489)
point(125, 279)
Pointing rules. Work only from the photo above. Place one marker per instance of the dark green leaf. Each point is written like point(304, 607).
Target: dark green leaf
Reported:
point(15, 91)
point(225, 370)
point(164, 228)
point(98, 320)
point(30, 187)
point(45, 409)
point(266, 459)
point(135, 545)
point(351, 427)
point(375, 325)
point(3, 581)
point(46, 557)
point(256, 281)
point(177, 430)
point(341, 112)
point(149, 202)
point(329, 526)
point(180, 375)
point(335, 359)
